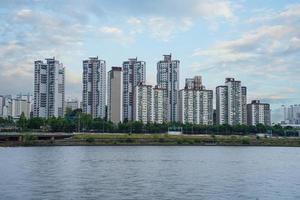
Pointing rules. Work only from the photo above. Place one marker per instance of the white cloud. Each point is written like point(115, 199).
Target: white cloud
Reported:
point(134, 21)
point(163, 29)
point(116, 34)
point(212, 9)
point(30, 35)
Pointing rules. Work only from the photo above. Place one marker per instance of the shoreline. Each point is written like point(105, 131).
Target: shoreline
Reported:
point(155, 140)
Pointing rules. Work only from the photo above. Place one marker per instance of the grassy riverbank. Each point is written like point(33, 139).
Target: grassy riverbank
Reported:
point(156, 139)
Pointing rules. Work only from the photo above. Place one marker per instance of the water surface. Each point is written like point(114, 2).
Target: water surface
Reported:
point(149, 173)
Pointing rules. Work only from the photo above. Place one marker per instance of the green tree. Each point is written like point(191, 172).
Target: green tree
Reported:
point(56, 124)
point(22, 122)
point(36, 123)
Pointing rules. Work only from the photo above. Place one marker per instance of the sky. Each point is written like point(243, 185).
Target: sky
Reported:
point(256, 42)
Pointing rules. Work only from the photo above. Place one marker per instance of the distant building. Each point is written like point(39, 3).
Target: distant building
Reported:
point(231, 100)
point(114, 95)
point(258, 113)
point(1, 105)
point(134, 73)
point(49, 88)
point(291, 114)
point(195, 103)
point(20, 106)
point(72, 104)
point(160, 114)
point(168, 79)
point(14, 106)
point(94, 87)
point(143, 103)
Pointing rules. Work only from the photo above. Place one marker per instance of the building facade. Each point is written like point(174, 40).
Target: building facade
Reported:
point(231, 100)
point(115, 95)
point(134, 73)
point(94, 87)
point(168, 79)
point(159, 101)
point(49, 88)
point(195, 103)
point(143, 103)
point(72, 104)
point(258, 113)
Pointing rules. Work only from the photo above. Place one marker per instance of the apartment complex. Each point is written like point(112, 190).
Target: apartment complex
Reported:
point(94, 87)
point(129, 98)
point(14, 106)
point(49, 88)
point(291, 114)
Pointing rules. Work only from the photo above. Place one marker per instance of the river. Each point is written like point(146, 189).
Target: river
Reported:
point(150, 172)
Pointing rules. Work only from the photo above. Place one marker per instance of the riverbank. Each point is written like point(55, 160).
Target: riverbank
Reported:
point(155, 139)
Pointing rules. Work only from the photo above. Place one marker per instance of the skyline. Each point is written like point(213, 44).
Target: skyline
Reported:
point(255, 42)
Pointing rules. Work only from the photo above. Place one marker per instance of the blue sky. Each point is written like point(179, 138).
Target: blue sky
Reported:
point(257, 42)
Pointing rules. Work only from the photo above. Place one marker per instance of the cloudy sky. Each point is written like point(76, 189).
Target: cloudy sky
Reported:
point(257, 42)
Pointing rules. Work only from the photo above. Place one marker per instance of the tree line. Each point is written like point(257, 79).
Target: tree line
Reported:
point(77, 121)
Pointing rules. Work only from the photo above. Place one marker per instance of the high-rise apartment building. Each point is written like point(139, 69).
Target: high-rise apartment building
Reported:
point(168, 79)
point(159, 101)
point(94, 87)
point(114, 95)
point(49, 88)
point(143, 103)
point(195, 103)
point(231, 102)
point(258, 113)
point(134, 73)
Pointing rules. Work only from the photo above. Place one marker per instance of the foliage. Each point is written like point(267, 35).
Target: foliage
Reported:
point(22, 122)
point(29, 139)
point(77, 121)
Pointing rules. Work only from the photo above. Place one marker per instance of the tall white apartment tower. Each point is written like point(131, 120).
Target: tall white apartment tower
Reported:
point(231, 100)
point(143, 103)
point(114, 95)
point(134, 73)
point(94, 87)
point(168, 79)
point(195, 103)
point(49, 88)
point(159, 114)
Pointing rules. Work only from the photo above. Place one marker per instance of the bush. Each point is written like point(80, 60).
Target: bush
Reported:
point(245, 141)
point(90, 139)
point(29, 139)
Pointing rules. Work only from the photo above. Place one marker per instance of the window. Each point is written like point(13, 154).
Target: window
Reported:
point(43, 78)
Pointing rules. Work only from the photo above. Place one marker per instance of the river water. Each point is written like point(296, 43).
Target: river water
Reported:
point(138, 172)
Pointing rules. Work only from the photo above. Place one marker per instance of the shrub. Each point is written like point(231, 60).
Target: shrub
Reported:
point(245, 141)
point(29, 139)
point(90, 139)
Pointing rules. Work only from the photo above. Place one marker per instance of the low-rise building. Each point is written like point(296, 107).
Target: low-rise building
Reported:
point(258, 113)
